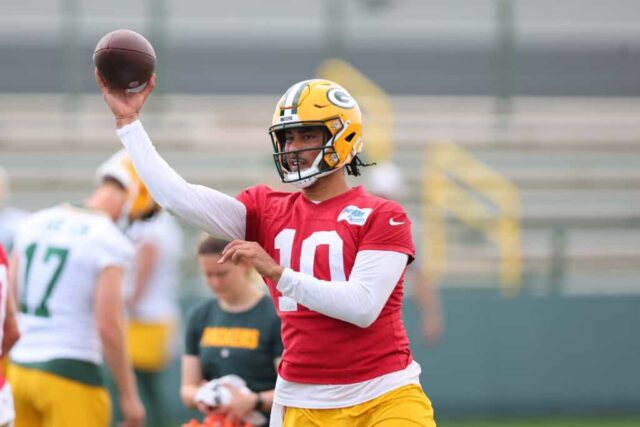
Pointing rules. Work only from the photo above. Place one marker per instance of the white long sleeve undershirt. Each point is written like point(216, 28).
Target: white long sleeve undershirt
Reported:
point(217, 213)
point(358, 300)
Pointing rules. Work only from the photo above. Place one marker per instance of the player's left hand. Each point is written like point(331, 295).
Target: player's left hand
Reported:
point(132, 411)
point(251, 252)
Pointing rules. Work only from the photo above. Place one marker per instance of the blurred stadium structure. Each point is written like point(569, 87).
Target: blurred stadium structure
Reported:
point(411, 47)
point(544, 93)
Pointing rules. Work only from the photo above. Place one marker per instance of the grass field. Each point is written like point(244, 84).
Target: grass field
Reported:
point(544, 422)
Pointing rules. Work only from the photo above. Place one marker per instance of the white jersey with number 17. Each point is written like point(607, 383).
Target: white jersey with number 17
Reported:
point(62, 251)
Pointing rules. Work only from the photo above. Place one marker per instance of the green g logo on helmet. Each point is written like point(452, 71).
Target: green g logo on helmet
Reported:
point(320, 103)
point(339, 97)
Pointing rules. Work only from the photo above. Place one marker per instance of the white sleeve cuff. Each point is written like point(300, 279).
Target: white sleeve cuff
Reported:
point(287, 281)
point(128, 128)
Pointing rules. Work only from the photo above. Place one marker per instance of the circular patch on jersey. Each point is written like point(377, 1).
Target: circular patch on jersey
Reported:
point(224, 353)
point(340, 98)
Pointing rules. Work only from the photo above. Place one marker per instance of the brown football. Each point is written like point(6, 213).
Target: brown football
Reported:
point(124, 59)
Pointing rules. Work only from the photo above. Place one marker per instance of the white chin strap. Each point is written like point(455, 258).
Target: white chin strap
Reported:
point(292, 177)
point(305, 182)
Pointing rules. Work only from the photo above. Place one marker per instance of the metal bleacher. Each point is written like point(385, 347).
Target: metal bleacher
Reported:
point(575, 162)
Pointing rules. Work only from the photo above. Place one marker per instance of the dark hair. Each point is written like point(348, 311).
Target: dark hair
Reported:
point(353, 168)
point(210, 245)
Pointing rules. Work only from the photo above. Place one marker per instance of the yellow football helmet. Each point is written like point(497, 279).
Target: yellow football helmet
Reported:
point(140, 204)
point(319, 103)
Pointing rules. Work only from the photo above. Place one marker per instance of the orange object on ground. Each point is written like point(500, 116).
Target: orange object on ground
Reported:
point(215, 421)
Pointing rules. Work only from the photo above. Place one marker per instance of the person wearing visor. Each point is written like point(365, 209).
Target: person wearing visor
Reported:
point(332, 256)
point(67, 269)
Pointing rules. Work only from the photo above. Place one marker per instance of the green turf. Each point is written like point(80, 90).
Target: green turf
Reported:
point(544, 422)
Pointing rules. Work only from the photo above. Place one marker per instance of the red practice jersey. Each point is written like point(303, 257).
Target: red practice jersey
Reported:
point(4, 291)
point(322, 240)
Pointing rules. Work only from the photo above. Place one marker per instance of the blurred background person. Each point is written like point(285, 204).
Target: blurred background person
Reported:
point(235, 333)
point(9, 334)
point(387, 180)
point(151, 289)
point(67, 269)
point(10, 217)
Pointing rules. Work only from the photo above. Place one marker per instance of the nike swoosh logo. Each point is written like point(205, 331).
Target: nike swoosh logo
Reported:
point(392, 222)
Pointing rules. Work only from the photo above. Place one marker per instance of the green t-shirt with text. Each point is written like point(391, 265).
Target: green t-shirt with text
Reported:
point(244, 344)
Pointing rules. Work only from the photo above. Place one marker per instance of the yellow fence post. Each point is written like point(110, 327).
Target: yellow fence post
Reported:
point(457, 183)
point(434, 253)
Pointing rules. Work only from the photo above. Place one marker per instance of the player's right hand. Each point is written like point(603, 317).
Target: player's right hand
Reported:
point(132, 412)
point(239, 250)
point(124, 104)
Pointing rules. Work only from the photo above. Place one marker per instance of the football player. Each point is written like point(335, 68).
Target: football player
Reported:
point(152, 305)
point(9, 334)
point(67, 268)
point(332, 256)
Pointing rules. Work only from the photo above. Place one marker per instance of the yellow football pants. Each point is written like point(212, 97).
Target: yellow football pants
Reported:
point(45, 400)
point(403, 407)
point(149, 345)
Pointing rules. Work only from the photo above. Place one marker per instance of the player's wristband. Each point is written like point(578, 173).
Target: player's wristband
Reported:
point(259, 402)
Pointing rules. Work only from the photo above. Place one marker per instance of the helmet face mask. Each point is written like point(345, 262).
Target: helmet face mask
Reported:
point(319, 104)
point(321, 165)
